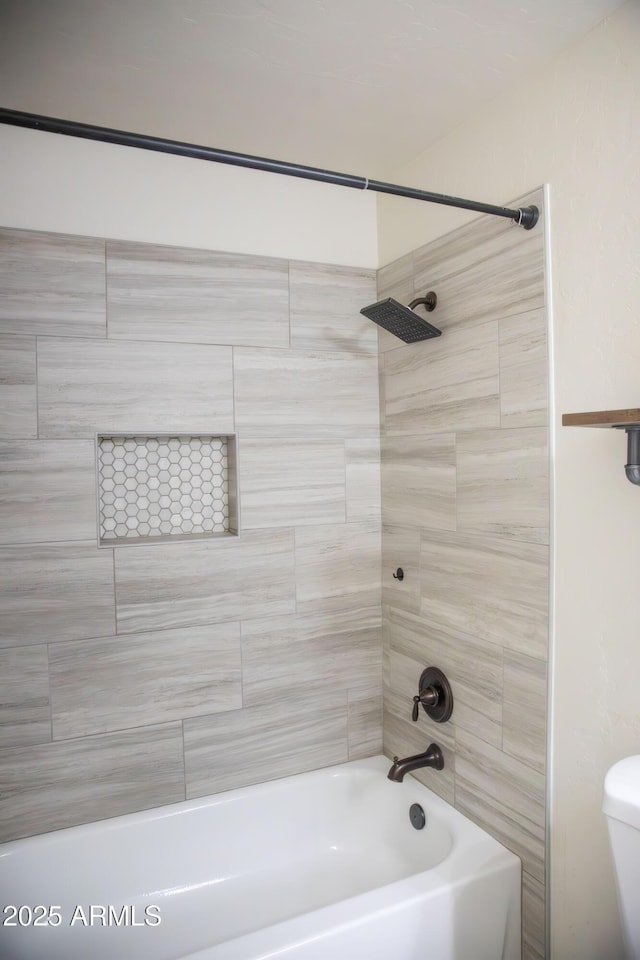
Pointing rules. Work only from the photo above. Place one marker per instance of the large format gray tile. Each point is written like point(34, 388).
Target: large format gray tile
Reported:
point(283, 656)
point(473, 668)
point(338, 566)
point(503, 483)
point(86, 387)
point(401, 548)
point(362, 462)
point(419, 480)
point(370, 688)
point(443, 385)
point(60, 591)
point(286, 482)
point(25, 714)
point(365, 728)
point(295, 393)
point(504, 797)
point(524, 366)
point(119, 682)
point(51, 284)
point(325, 307)
point(525, 709)
point(533, 910)
point(487, 268)
point(489, 588)
point(61, 784)
point(265, 742)
point(188, 584)
point(196, 296)
point(18, 387)
point(47, 490)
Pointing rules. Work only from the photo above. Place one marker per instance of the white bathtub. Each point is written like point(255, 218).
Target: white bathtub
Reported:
point(321, 866)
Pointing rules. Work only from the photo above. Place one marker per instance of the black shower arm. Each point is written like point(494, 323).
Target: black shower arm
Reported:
point(526, 217)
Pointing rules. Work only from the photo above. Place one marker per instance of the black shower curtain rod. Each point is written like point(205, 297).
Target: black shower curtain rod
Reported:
point(526, 217)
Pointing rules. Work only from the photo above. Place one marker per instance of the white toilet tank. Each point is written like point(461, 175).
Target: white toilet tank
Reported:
point(622, 806)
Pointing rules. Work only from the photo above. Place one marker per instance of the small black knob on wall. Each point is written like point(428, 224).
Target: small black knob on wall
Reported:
point(399, 574)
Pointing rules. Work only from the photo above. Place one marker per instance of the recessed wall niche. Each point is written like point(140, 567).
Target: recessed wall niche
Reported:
point(171, 487)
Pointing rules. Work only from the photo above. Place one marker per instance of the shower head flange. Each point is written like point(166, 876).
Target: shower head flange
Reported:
point(429, 300)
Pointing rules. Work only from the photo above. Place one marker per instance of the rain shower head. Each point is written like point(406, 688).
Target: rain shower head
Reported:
point(401, 321)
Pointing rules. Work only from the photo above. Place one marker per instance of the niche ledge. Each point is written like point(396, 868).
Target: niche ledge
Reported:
point(161, 488)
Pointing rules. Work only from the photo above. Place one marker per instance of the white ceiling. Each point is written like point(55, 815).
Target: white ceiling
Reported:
point(356, 86)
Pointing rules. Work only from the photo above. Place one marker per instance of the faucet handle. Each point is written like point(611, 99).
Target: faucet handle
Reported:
point(429, 697)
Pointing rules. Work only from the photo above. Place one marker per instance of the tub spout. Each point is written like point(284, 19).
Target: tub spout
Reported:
point(432, 757)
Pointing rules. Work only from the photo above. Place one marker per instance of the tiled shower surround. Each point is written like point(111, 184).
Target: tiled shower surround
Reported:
point(465, 510)
point(137, 675)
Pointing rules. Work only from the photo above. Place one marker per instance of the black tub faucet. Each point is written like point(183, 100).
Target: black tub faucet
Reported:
point(432, 757)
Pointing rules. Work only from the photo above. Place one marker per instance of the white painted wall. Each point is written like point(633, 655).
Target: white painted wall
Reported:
point(575, 125)
point(67, 185)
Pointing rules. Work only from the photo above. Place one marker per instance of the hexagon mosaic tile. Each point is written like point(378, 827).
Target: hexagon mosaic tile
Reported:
point(163, 487)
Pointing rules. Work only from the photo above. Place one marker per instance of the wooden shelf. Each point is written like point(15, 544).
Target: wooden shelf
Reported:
point(603, 418)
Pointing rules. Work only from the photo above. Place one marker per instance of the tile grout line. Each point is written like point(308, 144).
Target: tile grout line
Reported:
point(455, 481)
point(37, 392)
point(219, 344)
point(50, 695)
point(295, 571)
point(115, 594)
point(499, 338)
point(86, 541)
point(241, 648)
point(133, 634)
point(502, 708)
point(289, 299)
point(106, 301)
point(184, 760)
point(345, 480)
point(116, 731)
